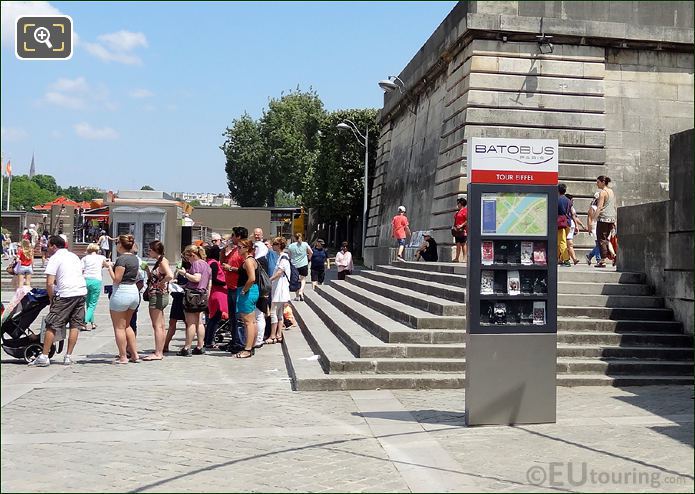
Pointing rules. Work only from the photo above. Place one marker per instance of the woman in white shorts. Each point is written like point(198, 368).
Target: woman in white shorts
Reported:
point(125, 298)
point(280, 291)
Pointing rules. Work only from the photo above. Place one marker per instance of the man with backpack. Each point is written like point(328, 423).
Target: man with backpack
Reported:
point(318, 264)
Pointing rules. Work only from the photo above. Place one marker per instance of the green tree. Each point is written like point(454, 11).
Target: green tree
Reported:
point(79, 194)
point(336, 189)
point(194, 203)
point(146, 187)
point(246, 166)
point(290, 135)
point(46, 182)
point(25, 193)
point(287, 199)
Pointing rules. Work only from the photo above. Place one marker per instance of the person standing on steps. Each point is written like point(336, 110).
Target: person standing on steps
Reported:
point(300, 253)
point(318, 264)
point(575, 225)
point(591, 218)
point(460, 229)
point(343, 260)
point(400, 229)
point(564, 206)
point(607, 217)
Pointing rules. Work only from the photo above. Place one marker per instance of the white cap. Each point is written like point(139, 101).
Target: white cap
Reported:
point(401, 209)
point(428, 233)
point(32, 226)
point(216, 236)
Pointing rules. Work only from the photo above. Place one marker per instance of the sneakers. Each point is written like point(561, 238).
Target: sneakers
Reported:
point(41, 361)
point(67, 360)
point(198, 351)
point(184, 352)
point(400, 258)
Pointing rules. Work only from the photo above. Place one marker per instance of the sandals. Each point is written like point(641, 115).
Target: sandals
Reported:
point(280, 339)
point(245, 353)
point(600, 265)
point(271, 341)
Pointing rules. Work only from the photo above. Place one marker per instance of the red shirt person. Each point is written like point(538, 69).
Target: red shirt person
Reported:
point(460, 229)
point(400, 230)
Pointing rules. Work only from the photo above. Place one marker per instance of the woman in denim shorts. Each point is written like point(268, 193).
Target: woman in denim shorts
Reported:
point(125, 298)
point(157, 289)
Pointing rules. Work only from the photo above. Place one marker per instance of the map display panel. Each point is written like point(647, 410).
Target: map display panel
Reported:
point(512, 213)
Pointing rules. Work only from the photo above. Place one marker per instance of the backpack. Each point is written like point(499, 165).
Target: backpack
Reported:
point(263, 281)
point(294, 274)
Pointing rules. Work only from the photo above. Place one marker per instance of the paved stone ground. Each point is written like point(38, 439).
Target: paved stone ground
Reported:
point(213, 423)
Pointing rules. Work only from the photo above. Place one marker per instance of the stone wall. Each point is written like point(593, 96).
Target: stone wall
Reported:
point(657, 238)
point(618, 81)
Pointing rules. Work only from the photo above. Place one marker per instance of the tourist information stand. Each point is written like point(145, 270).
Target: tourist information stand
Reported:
point(511, 341)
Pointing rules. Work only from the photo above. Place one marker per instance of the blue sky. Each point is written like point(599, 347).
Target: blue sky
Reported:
point(152, 85)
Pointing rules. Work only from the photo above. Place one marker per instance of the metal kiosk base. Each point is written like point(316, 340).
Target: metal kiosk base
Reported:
point(510, 378)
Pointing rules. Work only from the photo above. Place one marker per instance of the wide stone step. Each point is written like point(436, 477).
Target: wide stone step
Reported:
point(363, 344)
point(636, 352)
point(625, 339)
point(585, 274)
point(385, 328)
point(439, 290)
point(615, 366)
point(411, 316)
point(452, 280)
point(437, 267)
point(570, 380)
point(412, 298)
point(588, 323)
point(587, 288)
point(613, 301)
point(615, 313)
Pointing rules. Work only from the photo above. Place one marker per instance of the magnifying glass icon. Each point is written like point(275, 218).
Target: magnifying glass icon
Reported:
point(43, 35)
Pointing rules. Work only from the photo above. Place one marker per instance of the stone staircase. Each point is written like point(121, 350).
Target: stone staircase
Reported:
point(403, 326)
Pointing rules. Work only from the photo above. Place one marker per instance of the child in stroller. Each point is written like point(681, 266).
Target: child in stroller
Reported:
point(22, 341)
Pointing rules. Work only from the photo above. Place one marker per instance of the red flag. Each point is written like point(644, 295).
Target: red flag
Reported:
point(8, 169)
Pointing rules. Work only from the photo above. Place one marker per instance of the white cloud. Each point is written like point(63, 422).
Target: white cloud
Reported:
point(123, 40)
point(78, 94)
point(118, 47)
point(71, 85)
point(9, 11)
point(64, 100)
point(141, 93)
point(86, 131)
point(13, 134)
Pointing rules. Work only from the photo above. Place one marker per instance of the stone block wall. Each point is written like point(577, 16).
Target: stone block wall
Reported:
point(657, 238)
point(611, 103)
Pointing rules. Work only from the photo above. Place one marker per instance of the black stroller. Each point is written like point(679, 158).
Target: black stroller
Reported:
point(22, 341)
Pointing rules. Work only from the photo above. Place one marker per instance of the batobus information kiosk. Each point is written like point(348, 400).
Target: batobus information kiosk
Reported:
point(512, 281)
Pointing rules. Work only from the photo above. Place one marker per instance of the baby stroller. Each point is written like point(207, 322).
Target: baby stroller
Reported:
point(22, 341)
point(223, 333)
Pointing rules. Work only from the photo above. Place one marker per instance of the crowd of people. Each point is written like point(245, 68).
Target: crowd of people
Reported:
point(243, 282)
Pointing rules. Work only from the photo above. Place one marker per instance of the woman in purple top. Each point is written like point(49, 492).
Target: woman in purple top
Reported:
point(195, 298)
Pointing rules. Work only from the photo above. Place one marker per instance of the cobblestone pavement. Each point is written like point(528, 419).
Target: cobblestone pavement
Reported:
point(213, 423)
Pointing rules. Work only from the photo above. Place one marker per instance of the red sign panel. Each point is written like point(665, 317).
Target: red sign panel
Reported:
point(514, 177)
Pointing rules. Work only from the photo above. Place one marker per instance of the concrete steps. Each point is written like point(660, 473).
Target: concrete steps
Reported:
point(402, 325)
point(411, 316)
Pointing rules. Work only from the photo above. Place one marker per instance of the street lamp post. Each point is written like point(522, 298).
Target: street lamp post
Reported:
point(363, 139)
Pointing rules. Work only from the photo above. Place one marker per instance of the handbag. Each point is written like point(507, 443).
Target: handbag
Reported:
point(562, 221)
point(195, 300)
point(10, 267)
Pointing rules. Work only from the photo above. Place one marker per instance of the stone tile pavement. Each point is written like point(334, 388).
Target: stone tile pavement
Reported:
point(216, 424)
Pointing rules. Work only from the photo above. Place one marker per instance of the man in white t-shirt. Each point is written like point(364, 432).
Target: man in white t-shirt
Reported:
point(67, 291)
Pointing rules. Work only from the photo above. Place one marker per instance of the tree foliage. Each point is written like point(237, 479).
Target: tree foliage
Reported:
point(146, 187)
point(28, 192)
point(246, 167)
point(337, 186)
point(290, 134)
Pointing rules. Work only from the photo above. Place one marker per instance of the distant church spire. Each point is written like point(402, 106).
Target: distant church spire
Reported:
point(32, 168)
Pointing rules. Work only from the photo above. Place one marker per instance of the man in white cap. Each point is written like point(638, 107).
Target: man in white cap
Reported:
point(34, 234)
point(400, 229)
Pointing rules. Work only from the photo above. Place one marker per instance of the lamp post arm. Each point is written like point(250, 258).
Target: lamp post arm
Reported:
point(356, 131)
